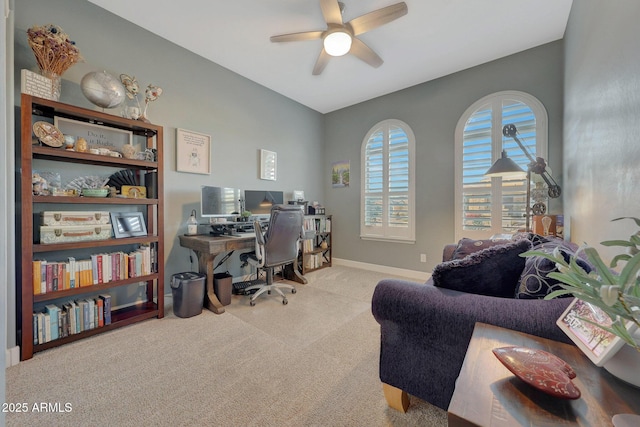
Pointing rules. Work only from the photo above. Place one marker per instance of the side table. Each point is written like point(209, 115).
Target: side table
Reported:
point(488, 394)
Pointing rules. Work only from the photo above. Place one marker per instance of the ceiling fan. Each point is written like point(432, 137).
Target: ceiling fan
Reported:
point(341, 38)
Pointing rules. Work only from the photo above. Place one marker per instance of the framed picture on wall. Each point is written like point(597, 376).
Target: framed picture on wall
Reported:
point(268, 165)
point(193, 152)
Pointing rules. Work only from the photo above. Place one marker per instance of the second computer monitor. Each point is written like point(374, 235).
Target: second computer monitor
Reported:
point(259, 202)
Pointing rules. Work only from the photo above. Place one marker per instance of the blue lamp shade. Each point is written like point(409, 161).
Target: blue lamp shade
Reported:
point(505, 167)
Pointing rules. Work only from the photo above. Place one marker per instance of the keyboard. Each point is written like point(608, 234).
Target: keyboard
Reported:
point(243, 235)
point(239, 288)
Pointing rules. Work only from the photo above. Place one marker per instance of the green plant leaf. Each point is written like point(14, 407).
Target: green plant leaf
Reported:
point(628, 217)
point(558, 293)
point(630, 272)
point(600, 266)
point(618, 258)
point(623, 243)
point(546, 255)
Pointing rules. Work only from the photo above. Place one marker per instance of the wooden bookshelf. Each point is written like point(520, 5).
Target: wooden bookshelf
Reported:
point(30, 206)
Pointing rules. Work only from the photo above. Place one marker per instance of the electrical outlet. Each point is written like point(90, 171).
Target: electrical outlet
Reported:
point(423, 257)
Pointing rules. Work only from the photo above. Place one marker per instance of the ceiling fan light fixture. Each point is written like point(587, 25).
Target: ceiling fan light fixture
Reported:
point(337, 43)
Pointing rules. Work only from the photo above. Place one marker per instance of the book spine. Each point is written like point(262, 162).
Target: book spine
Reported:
point(72, 272)
point(47, 327)
point(43, 277)
point(37, 266)
point(100, 310)
point(97, 269)
point(49, 278)
point(54, 277)
point(106, 299)
point(35, 328)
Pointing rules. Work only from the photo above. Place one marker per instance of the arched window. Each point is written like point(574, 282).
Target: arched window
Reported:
point(485, 206)
point(387, 205)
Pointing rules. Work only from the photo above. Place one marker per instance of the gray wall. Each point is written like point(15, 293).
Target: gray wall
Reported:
point(240, 115)
point(432, 110)
point(602, 120)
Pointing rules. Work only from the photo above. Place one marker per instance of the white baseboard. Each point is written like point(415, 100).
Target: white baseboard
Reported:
point(12, 356)
point(423, 276)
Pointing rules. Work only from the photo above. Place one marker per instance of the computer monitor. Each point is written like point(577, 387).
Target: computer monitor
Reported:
point(220, 202)
point(259, 202)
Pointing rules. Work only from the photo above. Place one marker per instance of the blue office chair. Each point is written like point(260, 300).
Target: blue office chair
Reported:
point(277, 247)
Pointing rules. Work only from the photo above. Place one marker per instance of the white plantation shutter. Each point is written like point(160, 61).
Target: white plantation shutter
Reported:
point(487, 206)
point(387, 205)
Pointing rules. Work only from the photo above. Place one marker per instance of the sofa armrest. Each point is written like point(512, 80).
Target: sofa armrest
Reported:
point(425, 332)
point(447, 252)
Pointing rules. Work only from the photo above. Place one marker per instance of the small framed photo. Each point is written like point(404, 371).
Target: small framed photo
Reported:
point(128, 224)
point(268, 165)
point(193, 152)
point(598, 344)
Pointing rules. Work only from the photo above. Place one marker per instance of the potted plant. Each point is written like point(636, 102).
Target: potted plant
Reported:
point(245, 215)
point(618, 295)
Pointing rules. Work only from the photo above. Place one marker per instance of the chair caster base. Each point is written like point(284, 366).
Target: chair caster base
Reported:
point(285, 302)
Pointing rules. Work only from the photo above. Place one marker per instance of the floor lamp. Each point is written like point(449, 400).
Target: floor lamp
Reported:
point(505, 167)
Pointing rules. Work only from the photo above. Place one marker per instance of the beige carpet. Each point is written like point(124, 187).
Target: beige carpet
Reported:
point(313, 362)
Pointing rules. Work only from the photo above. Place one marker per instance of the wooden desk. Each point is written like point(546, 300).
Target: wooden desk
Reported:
point(208, 248)
point(487, 394)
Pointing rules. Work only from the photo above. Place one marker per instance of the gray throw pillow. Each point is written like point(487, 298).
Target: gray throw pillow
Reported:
point(534, 281)
point(494, 271)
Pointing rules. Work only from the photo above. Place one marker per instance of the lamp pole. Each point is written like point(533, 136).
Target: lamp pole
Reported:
point(538, 166)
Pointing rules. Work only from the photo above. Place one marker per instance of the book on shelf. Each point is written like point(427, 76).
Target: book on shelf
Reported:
point(35, 328)
point(106, 306)
point(46, 328)
point(40, 321)
point(52, 311)
point(37, 266)
point(100, 311)
point(63, 322)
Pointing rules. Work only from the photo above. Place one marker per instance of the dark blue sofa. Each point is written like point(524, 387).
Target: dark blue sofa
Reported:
point(425, 331)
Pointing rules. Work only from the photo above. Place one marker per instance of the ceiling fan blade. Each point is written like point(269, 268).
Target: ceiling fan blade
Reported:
point(294, 37)
point(364, 52)
point(331, 11)
point(322, 62)
point(371, 20)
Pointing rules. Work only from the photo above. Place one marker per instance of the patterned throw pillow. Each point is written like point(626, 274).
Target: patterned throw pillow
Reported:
point(493, 271)
point(469, 246)
point(534, 280)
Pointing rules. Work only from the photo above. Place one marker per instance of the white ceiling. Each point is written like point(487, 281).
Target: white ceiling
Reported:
point(435, 38)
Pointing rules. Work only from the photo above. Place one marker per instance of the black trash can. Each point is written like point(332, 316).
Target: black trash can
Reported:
point(222, 287)
point(188, 293)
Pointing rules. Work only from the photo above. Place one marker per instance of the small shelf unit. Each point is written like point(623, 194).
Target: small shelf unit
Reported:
point(315, 249)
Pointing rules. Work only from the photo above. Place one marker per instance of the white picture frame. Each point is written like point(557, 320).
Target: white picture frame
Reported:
point(97, 136)
point(128, 224)
point(596, 343)
point(193, 152)
point(268, 165)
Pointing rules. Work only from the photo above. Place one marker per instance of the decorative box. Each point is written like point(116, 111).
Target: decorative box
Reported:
point(74, 233)
point(74, 218)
